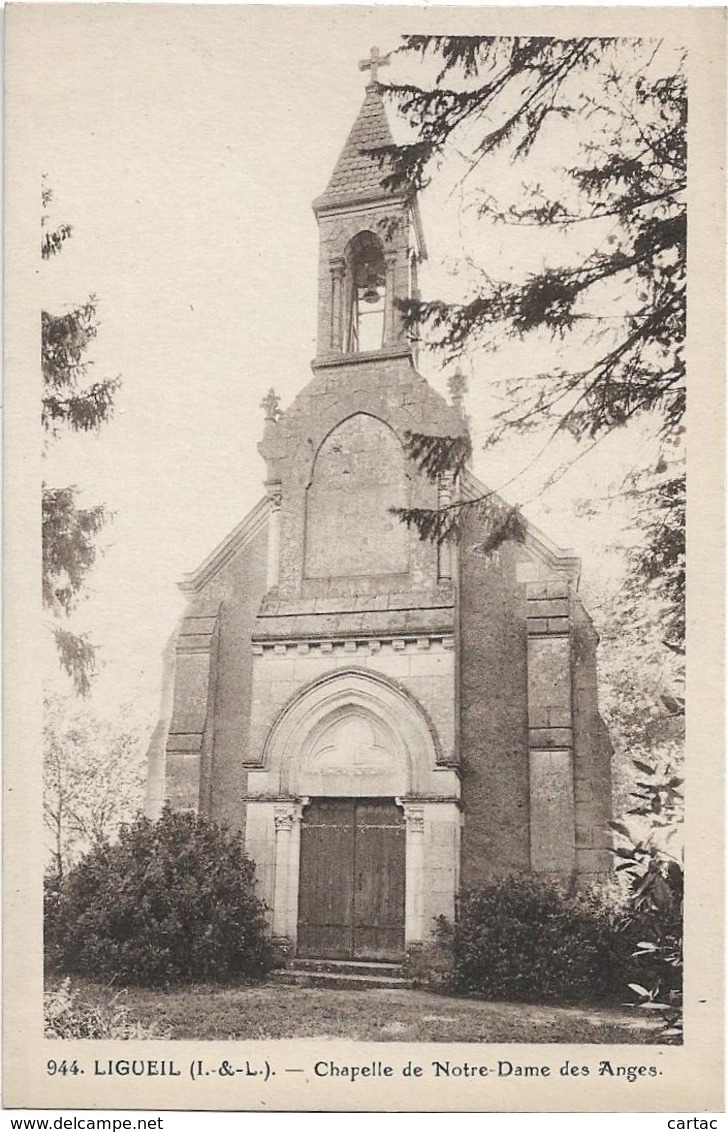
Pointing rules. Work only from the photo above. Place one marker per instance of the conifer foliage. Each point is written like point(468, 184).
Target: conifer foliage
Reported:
point(71, 402)
point(622, 297)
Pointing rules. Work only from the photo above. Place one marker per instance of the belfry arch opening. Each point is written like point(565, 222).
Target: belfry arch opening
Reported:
point(365, 294)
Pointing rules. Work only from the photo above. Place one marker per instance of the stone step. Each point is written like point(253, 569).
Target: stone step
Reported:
point(332, 980)
point(349, 967)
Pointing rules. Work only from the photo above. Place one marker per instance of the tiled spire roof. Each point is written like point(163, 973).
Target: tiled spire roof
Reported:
point(358, 175)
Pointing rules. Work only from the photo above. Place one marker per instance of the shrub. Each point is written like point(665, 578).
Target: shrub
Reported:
point(652, 863)
point(66, 1015)
point(529, 941)
point(169, 900)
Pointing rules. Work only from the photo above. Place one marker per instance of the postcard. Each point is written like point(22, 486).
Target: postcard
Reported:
point(364, 558)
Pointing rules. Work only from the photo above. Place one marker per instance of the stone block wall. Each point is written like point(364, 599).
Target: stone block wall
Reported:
point(442, 831)
point(592, 755)
point(550, 727)
point(493, 681)
point(358, 476)
point(241, 585)
point(189, 737)
point(534, 751)
point(388, 390)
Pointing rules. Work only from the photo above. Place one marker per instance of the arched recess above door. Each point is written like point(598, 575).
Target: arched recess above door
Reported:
point(358, 476)
point(394, 746)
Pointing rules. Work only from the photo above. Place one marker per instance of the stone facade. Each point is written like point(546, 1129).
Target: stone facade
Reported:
point(329, 653)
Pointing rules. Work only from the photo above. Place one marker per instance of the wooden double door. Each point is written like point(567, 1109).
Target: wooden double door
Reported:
point(351, 902)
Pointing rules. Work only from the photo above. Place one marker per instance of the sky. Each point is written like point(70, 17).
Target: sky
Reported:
point(185, 146)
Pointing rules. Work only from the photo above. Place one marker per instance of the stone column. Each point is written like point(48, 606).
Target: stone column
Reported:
point(390, 311)
point(287, 818)
point(283, 817)
point(551, 757)
point(338, 269)
point(414, 916)
point(274, 536)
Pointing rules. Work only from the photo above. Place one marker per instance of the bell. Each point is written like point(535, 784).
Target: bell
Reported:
point(371, 292)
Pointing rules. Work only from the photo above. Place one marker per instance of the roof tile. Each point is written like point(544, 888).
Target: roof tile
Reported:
point(358, 174)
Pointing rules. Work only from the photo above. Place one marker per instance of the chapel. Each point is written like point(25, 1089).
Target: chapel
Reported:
point(384, 719)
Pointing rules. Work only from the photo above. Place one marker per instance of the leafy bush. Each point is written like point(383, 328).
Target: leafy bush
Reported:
point(652, 862)
point(168, 900)
point(66, 1015)
point(524, 940)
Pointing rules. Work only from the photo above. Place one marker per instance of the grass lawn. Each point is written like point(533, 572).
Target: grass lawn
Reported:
point(206, 1011)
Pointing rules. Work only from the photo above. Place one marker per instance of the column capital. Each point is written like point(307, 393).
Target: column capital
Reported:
point(284, 817)
point(414, 816)
point(285, 814)
point(337, 266)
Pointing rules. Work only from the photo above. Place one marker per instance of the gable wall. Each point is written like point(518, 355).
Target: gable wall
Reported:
point(390, 393)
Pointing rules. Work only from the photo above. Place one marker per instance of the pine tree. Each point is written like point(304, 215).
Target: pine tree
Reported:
point(621, 299)
point(70, 403)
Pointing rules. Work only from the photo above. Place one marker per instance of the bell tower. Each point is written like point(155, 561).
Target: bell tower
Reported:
point(370, 242)
point(353, 690)
point(337, 463)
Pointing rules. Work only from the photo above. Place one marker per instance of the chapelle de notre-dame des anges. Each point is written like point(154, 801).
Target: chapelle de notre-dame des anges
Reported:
point(386, 720)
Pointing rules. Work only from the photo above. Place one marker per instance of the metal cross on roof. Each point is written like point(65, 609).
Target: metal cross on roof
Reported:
point(374, 62)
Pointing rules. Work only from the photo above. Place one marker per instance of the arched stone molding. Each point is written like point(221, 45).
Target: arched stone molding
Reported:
point(379, 221)
point(366, 412)
point(398, 721)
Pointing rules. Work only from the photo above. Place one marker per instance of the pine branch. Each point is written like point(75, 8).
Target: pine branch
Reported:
point(497, 93)
point(500, 523)
point(69, 548)
point(438, 455)
point(81, 412)
point(78, 657)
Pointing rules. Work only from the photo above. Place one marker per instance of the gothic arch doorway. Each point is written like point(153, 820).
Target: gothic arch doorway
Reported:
point(352, 821)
